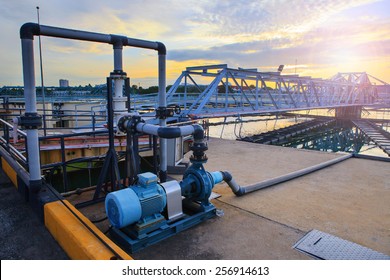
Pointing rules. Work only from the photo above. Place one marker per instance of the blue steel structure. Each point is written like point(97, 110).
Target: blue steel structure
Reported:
point(248, 91)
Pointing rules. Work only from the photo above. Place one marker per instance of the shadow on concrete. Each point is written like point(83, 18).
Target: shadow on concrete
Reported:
point(22, 235)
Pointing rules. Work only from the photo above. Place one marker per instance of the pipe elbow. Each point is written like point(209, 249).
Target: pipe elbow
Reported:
point(198, 132)
point(29, 30)
point(240, 192)
point(162, 50)
point(169, 132)
point(228, 178)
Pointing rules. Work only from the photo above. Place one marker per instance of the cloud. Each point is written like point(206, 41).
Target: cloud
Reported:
point(245, 33)
point(243, 17)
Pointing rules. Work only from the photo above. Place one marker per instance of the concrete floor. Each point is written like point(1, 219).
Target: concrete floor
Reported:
point(349, 200)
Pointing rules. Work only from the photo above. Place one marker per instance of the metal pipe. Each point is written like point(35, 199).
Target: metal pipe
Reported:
point(58, 32)
point(27, 33)
point(162, 104)
point(28, 30)
point(119, 101)
point(369, 157)
point(29, 76)
point(31, 108)
point(241, 190)
point(118, 59)
point(169, 132)
point(164, 133)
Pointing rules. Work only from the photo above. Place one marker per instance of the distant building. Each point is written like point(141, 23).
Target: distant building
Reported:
point(64, 83)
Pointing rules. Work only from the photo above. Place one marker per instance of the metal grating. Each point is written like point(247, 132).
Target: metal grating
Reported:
point(325, 246)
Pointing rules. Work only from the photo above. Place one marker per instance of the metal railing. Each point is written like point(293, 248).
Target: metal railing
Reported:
point(9, 138)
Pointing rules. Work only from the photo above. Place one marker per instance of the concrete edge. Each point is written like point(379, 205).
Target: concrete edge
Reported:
point(11, 174)
point(75, 238)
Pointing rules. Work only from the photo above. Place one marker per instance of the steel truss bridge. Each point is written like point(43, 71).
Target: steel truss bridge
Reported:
point(231, 92)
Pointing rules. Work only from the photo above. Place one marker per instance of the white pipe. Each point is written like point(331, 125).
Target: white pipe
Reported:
point(148, 128)
point(34, 164)
point(162, 103)
point(29, 75)
point(241, 190)
point(167, 132)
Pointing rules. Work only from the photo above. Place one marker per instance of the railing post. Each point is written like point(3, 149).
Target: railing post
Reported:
point(63, 165)
point(93, 121)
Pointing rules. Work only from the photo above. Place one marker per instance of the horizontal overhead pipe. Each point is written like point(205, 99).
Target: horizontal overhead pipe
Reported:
point(241, 190)
point(29, 30)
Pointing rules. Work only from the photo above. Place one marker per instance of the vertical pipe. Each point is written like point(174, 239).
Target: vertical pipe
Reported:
point(119, 102)
point(29, 75)
point(129, 141)
point(118, 58)
point(110, 115)
point(135, 153)
point(129, 162)
point(155, 161)
point(31, 107)
point(161, 80)
point(162, 103)
point(127, 90)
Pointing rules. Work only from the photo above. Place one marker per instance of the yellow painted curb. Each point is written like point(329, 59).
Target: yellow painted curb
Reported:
point(10, 172)
point(74, 237)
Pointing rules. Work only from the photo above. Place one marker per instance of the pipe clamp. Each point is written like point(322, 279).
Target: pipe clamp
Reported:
point(30, 121)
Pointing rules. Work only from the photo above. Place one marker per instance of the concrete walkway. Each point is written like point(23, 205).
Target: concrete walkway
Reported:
point(349, 200)
point(22, 235)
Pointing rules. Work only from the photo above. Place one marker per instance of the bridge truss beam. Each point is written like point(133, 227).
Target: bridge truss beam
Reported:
point(239, 91)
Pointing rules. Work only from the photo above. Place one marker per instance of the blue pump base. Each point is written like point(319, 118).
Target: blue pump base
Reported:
point(126, 238)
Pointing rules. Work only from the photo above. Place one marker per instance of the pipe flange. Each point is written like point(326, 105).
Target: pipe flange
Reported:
point(163, 112)
point(118, 74)
point(30, 121)
point(122, 123)
point(132, 124)
point(129, 123)
point(198, 152)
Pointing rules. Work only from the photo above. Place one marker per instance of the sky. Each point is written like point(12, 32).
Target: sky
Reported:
point(310, 37)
